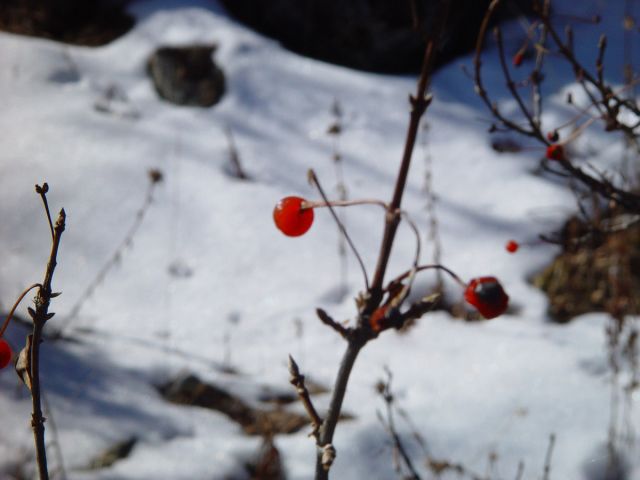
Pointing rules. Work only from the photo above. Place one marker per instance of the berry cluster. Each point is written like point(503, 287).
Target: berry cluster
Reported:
point(293, 218)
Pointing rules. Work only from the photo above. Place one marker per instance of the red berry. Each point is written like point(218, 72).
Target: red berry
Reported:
point(553, 136)
point(290, 218)
point(512, 246)
point(5, 353)
point(487, 295)
point(517, 59)
point(555, 152)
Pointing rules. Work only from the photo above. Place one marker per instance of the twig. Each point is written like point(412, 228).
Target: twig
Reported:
point(384, 389)
point(297, 380)
point(314, 179)
point(15, 306)
point(342, 203)
point(155, 177)
point(547, 461)
point(234, 156)
point(327, 320)
point(420, 268)
point(40, 316)
point(42, 191)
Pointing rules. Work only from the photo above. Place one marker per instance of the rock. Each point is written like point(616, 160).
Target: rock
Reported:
point(77, 22)
point(187, 75)
point(190, 390)
point(114, 453)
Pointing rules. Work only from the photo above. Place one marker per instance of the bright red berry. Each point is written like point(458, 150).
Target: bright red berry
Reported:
point(5, 353)
point(555, 152)
point(291, 218)
point(512, 246)
point(517, 59)
point(487, 295)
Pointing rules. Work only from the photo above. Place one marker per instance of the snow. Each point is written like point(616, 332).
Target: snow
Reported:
point(471, 389)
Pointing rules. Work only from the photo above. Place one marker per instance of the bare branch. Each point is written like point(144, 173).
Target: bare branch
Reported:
point(327, 320)
point(297, 380)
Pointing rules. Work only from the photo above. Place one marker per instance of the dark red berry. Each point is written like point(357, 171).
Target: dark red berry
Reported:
point(487, 295)
point(555, 152)
point(553, 136)
point(517, 59)
point(291, 218)
point(512, 246)
point(5, 353)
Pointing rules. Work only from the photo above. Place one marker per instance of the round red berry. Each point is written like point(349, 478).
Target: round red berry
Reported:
point(512, 246)
point(487, 295)
point(5, 353)
point(555, 152)
point(291, 218)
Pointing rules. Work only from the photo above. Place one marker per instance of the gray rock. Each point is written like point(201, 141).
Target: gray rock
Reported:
point(187, 75)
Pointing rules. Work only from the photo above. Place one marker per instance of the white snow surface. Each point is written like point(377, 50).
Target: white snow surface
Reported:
point(245, 294)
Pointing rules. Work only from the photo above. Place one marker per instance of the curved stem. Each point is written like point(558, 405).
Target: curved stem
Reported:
point(15, 305)
point(420, 268)
point(342, 203)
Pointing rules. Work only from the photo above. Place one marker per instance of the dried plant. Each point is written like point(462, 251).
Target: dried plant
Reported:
point(28, 362)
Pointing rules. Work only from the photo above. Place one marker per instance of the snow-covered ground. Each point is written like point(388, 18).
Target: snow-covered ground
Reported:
point(209, 282)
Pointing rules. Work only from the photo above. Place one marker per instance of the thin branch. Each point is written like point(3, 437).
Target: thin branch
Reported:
point(234, 156)
point(420, 268)
point(42, 191)
point(385, 392)
point(510, 83)
point(342, 203)
point(15, 306)
point(154, 178)
point(314, 179)
point(327, 320)
point(547, 461)
point(297, 380)
point(40, 316)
